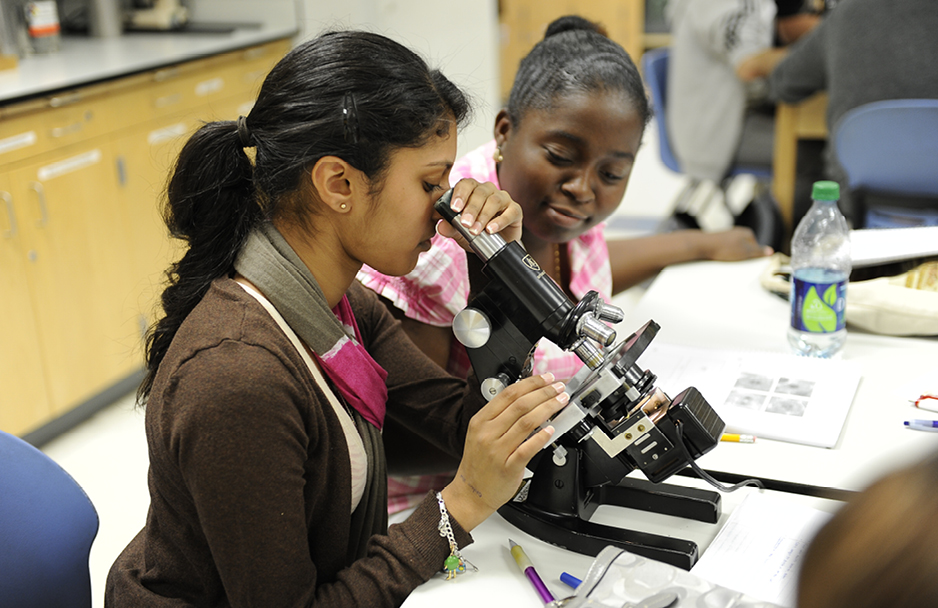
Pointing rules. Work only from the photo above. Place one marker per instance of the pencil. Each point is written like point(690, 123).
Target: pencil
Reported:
point(738, 438)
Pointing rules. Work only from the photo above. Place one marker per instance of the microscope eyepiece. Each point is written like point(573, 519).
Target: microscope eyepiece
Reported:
point(484, 244)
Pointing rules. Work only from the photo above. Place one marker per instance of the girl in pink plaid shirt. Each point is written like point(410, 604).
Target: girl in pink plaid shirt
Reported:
point(564, 149)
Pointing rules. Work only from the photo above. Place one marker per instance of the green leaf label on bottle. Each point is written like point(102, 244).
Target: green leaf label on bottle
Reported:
point(818, 307)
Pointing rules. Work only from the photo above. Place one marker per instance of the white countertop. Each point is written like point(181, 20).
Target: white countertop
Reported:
point(84, 60)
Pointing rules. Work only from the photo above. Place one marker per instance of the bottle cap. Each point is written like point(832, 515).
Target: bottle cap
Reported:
point(825, 191)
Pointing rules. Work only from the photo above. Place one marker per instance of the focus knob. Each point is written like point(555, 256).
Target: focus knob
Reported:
point(493, 386)
point(472, 328)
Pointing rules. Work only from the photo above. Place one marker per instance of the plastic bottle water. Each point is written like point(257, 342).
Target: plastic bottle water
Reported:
point(820, 263)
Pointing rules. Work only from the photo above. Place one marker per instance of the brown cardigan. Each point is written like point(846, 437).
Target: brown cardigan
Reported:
point(249, 470)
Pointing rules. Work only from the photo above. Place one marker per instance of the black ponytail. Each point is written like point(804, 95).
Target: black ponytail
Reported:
point(574, 56)
point(210, 205)
point(354, 95)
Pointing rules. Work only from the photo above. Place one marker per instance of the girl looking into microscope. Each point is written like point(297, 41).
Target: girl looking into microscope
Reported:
point(272, 371)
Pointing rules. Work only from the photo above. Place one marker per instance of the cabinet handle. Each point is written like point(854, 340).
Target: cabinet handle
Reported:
point(43, 208)
point(121, 171)
point(255, 53)
point(166, 74)
point(11, 214)
point(210, 86)
point(253, 77)
point(57, 132)
point(64, 100)
point(167, 100)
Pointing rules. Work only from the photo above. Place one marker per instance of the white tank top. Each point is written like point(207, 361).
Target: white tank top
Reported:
point(356, 449)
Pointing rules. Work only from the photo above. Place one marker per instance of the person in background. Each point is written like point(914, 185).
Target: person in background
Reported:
point(863, 51)
point(564, 148)
point(878, 551)
point(721, 52)
point(272, 371)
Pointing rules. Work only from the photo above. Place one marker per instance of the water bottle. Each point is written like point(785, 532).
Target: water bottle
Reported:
point(820, 264)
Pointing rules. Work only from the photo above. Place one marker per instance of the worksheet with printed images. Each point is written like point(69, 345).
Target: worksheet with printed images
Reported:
point(776, 396)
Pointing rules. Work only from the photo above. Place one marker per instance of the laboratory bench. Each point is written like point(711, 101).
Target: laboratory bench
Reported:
point(87, 137)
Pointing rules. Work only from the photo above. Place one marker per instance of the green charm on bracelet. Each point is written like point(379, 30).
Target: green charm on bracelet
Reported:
point(453, 565)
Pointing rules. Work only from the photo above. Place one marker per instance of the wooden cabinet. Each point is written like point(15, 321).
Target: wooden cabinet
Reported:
point(74, 238)
point(24, 399)
point(523, 23)
point(83, 247)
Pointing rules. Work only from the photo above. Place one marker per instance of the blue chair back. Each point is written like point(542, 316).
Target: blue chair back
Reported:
point(655, 67)
point(890, 146)
point(889, 152)
point(47, 525)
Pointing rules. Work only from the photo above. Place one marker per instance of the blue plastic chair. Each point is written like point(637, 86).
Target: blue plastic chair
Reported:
point(889, 153)
point(47, 526)
point(655, 67)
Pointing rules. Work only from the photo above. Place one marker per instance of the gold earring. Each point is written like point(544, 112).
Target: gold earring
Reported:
point(343, 206)
point(497, 156)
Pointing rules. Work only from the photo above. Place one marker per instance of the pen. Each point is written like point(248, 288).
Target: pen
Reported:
point(738, 438)
point(528, 568)
point(922, 425)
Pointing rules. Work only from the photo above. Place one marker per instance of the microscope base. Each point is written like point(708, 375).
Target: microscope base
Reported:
point(589, 538)
point(558, 509)
point(666, 499)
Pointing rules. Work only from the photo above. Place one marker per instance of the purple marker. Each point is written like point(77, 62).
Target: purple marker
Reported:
point(528, 568)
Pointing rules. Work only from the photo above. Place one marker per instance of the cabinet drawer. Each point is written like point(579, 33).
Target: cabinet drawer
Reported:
point(172, 93)
point(57, 121)
point(19, 137)
point(252, 66)
point(239, 73)
point(246, 75)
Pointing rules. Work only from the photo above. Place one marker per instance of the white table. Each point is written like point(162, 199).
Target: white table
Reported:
point(499, 582)
point(722, 305)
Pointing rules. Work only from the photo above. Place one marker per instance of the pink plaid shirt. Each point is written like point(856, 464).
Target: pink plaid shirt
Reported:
point(438, 288)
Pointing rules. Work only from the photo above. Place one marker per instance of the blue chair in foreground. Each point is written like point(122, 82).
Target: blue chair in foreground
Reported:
point(47, 525)
point(889, 153)
point(761, 215)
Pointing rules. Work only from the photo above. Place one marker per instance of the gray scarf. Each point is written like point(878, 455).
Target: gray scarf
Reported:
point(268, 261)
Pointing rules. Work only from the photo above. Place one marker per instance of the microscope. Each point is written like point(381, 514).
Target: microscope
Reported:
point(616, 420)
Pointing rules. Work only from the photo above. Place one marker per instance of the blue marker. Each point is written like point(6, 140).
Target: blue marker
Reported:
point(570, 580)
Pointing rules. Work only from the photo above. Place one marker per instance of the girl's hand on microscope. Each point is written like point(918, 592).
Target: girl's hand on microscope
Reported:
point(501, 439)
point(483, 207)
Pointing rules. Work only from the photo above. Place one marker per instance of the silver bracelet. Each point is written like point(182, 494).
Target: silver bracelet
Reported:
point(455, 563)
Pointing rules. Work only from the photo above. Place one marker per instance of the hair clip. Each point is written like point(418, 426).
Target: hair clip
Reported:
point(350, 118)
